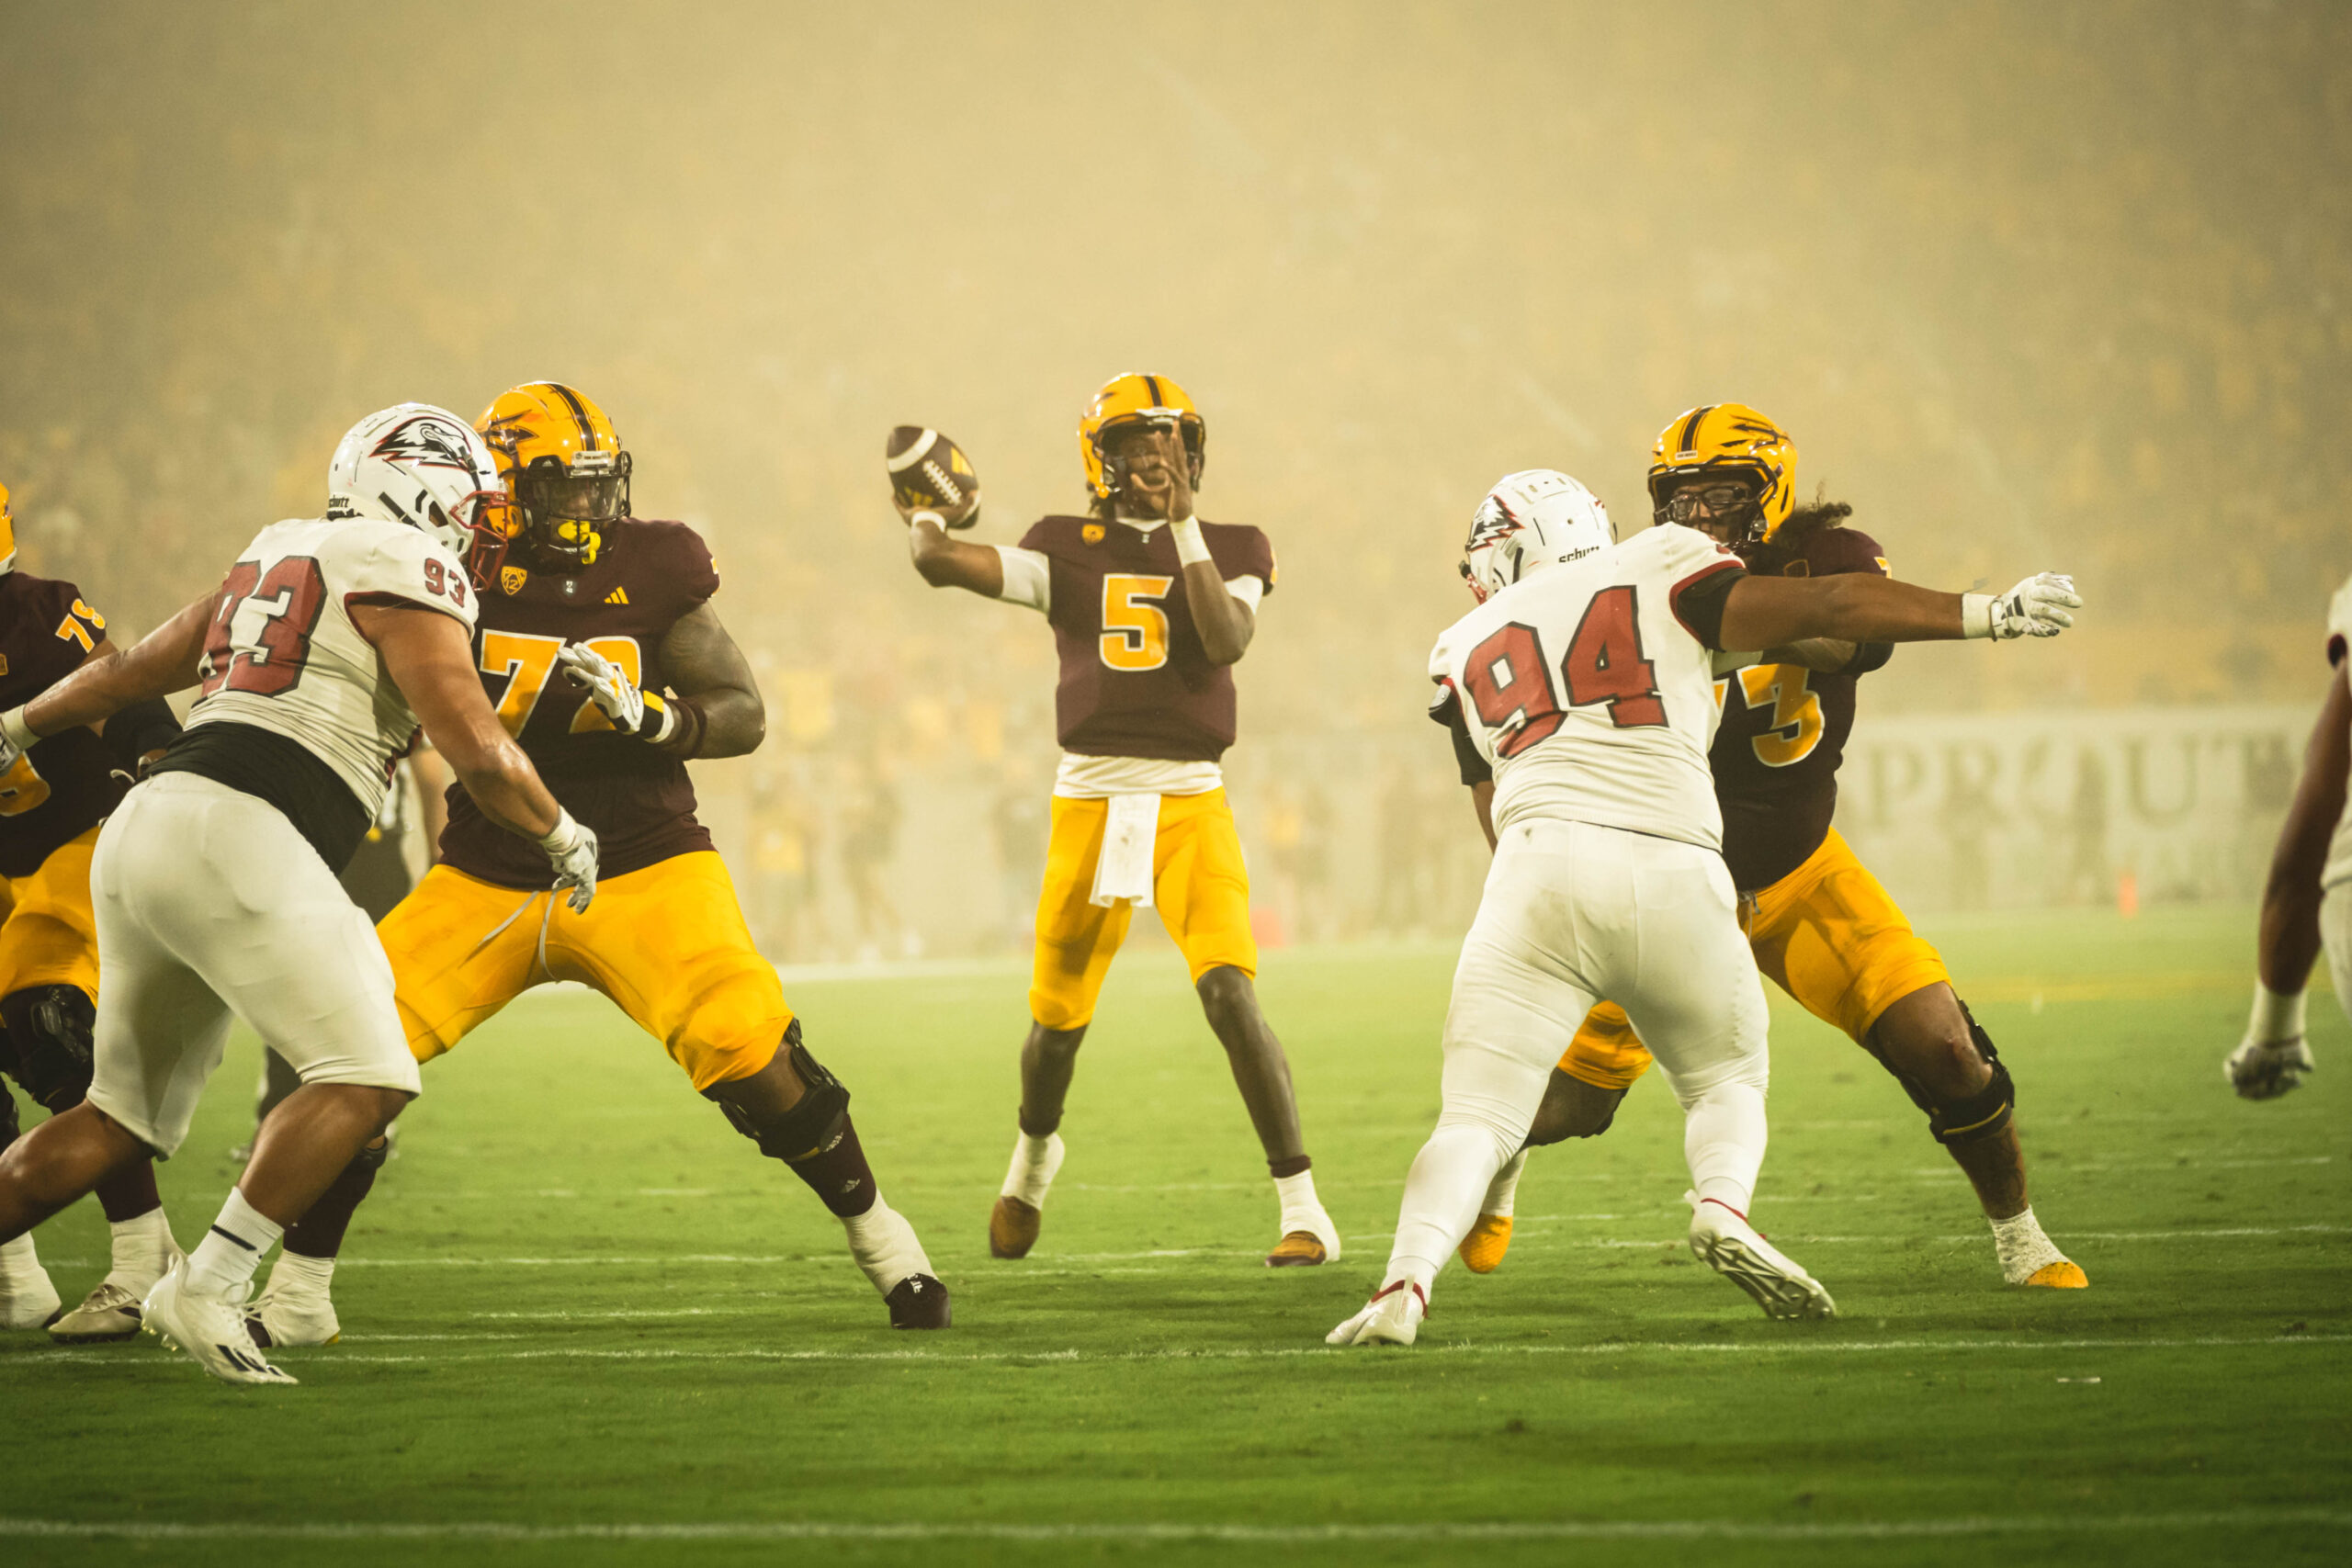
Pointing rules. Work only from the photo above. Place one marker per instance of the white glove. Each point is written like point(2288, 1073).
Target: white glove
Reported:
point(17, 738)
point(2036, 607)
point(571, 850)
point(615, 695)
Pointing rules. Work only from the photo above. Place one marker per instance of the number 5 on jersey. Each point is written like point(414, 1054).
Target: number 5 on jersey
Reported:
point(1135, 628)
point(1508, 683)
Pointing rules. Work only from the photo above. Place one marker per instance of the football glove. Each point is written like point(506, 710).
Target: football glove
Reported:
point(2036, 607)
point(632, 711)
point(17, 738)
point(2265, 1071)
point(571, 850)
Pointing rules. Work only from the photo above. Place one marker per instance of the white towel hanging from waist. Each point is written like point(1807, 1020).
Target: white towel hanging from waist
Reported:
point(1130, 831)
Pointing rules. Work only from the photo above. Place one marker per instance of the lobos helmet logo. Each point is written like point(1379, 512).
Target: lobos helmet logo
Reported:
point(1493, 525)
point(426, 442)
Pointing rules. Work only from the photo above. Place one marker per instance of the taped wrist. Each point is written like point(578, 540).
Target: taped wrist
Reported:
point(815, 1122)
point(659, 721)
point(1976, 615)
point(2278, 1016)
point(19, 733)
point(561, 838)
point(1191, 549)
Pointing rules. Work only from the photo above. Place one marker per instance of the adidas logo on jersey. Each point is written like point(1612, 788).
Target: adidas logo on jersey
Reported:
point(618, 596)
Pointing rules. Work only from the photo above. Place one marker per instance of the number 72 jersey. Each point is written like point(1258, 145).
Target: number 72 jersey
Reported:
point(284, 655)
point(1588, 688)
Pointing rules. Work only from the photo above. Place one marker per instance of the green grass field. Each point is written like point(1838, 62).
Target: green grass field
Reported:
point(586, 1324)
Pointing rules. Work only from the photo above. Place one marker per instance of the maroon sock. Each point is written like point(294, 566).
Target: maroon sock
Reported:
point(318, 1232)
point(1283, 1168)
point(838, 1174)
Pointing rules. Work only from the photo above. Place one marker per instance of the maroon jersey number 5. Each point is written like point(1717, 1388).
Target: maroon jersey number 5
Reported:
point(289, 597)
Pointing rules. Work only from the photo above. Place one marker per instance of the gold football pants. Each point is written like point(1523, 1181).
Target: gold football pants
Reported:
point(667, 944)
point(48, 934)
point(1198, 884)
point(1828, 934)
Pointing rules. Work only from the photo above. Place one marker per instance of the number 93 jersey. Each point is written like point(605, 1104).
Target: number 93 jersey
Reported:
point(283, 654)
point(1586, 690)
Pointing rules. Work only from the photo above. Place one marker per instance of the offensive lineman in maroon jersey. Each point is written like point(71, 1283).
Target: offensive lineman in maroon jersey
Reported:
point(597, 614)
point(51, 802)
point(1150, 610)
point(1822, 927)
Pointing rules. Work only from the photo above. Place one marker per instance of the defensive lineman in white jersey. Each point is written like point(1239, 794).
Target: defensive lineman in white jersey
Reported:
point(214, 883)
point(1582, 688)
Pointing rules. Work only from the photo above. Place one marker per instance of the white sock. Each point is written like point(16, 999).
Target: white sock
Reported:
point(143, 1249)
point(886, 1245)
point(234, 1246)
point(19, 1259)
point(1724, 1135)
point(1302, 1211)
point(2024, 1250)
point(298, 1275)
point(1035, 1161)
point(1442, 1192)
point(1503, 1190)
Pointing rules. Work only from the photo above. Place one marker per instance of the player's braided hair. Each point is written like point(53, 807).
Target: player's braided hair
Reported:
point(1808, 516)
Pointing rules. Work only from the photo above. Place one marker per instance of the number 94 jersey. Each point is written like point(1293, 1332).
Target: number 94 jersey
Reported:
point(1586, 691)
point(283, 654)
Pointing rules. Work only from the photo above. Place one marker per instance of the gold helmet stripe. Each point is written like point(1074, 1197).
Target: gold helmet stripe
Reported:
point(1158, 399)
point(1690, 430)
point(587, 430)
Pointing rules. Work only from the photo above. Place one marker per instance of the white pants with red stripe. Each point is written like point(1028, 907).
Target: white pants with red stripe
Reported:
point(1573, 913)
point(210, 903)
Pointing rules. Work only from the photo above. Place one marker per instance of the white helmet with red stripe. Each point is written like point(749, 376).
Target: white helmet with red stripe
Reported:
point(1531, 519)
point(423, 466)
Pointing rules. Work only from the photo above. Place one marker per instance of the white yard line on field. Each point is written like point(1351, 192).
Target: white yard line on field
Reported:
point(2262, 1520)
point(1275, 1353)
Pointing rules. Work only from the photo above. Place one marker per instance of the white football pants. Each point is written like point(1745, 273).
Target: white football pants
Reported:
point(2335, 939)
point(208, 903)
point(1573, 913)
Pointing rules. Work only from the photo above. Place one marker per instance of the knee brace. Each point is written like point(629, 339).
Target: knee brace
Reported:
point(1979, 1115)
point(814, 1122)
point(49, 1026)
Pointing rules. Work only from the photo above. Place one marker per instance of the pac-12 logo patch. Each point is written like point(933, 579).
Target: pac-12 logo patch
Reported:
point(1091, 532)
point(511, 579)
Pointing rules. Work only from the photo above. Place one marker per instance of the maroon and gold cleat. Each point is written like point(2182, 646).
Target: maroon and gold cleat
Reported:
point(1014, 1226)
point(1299, 1249)
point(2063, 1275)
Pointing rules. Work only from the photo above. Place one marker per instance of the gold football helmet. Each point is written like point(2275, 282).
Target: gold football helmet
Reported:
point(563, 464)
point(1137, 398)
point(7, 533)
point(1727, 440)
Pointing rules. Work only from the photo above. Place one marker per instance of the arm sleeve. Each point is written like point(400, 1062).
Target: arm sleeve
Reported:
point(1249, 590)
point(1028, 577)
point(1697, 601)
point(1447, 710)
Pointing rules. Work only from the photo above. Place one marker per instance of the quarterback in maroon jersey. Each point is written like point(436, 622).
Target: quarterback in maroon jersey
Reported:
point(51, 802)
point(1821, 925)
point(595, 614)
point(1150, 609)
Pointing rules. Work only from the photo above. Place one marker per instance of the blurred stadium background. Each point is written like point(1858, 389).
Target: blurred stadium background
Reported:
point(2033, 287)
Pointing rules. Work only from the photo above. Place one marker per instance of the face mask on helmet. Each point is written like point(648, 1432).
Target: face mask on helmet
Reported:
point(565, 509)
point(1723, 506)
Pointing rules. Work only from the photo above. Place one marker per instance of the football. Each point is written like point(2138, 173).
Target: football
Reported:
point(930, 473)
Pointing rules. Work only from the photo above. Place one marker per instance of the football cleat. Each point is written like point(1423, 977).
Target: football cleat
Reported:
point(106, 1314)
point(1393, 1317)
point(209, 1329)
point(27, 1299)
point(1012, 1228)
point(2063, 1275)
point(285, 1316)
point(919, 1301)
point(1482, 1250)
point(2265, 1072)
point(1308, 1238)
point(1722, 1238)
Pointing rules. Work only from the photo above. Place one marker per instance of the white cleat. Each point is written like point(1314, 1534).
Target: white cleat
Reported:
point(106, 1314)
point(2266, 1072)
point(211, 1329)
point(1722, 1238)
point(27, 1299)
point(284, 1315)
point(1392, 1317)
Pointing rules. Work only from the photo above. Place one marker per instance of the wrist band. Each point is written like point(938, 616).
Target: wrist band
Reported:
point(1191, 549)
point(19, 733)
point(2277, 1015)
point(1976, 615)
point(932, 517)
point(661, 721)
